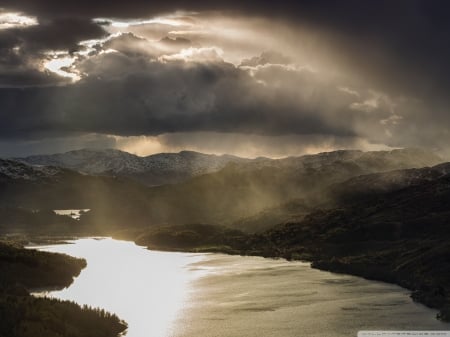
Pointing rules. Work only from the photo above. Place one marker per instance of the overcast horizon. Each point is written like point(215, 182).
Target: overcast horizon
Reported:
point(247, 78)
point(100, 149)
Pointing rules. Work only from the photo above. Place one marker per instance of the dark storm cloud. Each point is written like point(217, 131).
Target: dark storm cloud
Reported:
point(313, 9)
point(402, 45)
point(399, 49)
point(14, 148)
point(138, 8)
point(128, 95)
point(23, 49)
point(55, 34)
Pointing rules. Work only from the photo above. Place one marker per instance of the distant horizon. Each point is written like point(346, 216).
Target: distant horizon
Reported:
point(245, 146)
point(94, 149)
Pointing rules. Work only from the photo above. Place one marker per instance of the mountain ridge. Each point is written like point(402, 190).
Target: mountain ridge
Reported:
point(169, 168)
point(152, 170)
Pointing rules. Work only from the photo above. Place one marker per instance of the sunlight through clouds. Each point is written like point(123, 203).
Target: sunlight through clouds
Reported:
point(209, 54)
point(126, 24)
point(211, 70)
point(63, 67)
point(15, 20)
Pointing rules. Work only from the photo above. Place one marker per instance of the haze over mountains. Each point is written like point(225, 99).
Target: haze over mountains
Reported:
point(169, 168)
point(157, 169)
point(248, 194)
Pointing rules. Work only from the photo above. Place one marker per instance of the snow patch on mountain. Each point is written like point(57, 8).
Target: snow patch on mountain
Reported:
point(152, 170)
point(17, 170)
point(169, 168)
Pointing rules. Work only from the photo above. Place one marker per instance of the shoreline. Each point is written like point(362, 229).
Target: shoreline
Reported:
point(317, 261)
point(381, 275)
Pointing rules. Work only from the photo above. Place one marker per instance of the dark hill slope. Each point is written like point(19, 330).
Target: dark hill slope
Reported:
point(401, 237)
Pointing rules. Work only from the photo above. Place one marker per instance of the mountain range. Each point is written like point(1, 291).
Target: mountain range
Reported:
point(248, 194)
point(173, 168)
point(157, 169)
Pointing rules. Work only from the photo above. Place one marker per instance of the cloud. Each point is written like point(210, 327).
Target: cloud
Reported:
point(70, 31)
point(14, 20)
point(137, 8)
point(24, 49)
point(205, 54)
point(399, 45)
point(244, 145)
point(14, 148)
point(134, 95)
point(377, 71)
point(267, 57)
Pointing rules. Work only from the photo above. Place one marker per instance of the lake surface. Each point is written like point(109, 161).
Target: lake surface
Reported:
point(164, 294)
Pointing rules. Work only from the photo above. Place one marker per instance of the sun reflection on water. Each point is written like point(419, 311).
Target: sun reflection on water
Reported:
point(147, 289)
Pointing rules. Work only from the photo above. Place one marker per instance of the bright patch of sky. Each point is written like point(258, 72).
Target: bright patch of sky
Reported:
point(14, 20)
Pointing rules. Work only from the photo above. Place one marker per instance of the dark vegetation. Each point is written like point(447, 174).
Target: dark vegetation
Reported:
point(26, 316)
point(294, 210)
point(193, 237)
point(34, 269)
point(22, 315)
point(20, 220)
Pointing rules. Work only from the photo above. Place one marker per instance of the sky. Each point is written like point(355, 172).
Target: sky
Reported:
point(250, 78)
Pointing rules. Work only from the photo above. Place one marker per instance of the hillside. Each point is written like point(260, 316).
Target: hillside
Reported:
point(400, 236)
point(366, 186)
point(244, 190)
point(354, 189)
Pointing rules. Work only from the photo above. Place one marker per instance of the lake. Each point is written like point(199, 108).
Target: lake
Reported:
point(167, 294)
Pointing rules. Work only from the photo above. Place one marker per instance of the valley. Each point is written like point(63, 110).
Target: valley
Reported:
point(378, 215)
